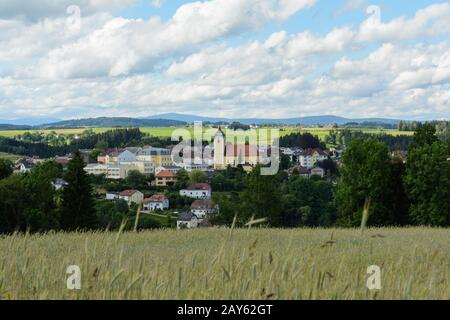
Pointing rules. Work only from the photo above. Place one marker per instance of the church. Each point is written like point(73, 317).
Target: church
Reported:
point(233, 154)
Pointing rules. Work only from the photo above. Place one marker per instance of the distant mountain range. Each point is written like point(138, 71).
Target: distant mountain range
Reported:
point(314, 120)
point(176, 119)
point(37, 121)
point(106, 122)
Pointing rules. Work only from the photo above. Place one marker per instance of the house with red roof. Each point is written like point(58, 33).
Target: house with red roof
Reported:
point(156, 202)
point(165, 178)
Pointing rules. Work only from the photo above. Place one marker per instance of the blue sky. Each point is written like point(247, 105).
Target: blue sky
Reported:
point(255, 58)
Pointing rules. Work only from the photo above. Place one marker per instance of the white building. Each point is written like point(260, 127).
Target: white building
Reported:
point(156, 202)
point(203, 208)
point(187, 220)
point(197, 191)
point(189, 167)
point(111, 171)
point(308, 158)
point(112, 196)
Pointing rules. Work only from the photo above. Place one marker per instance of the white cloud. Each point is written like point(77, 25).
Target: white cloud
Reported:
point(41, 9)
point(431, 21)
point(134, 67)
point(123, 46)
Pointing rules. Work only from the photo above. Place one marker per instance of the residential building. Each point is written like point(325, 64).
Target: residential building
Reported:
point(23, 165)
point(187, 220)
point(112, 196)
point(144, 167)
point(159, 156)
point(189, 167)
point(132, 196)
point(305, 172)
point(300, 170)
point(203, 208)
point(309, 157)
point(197, 191)
point(172, 169)
point(165, 179)
point(156, 202)
point(111, 171)
point(126, 156)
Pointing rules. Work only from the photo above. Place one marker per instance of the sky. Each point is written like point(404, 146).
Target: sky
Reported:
point(226, 58)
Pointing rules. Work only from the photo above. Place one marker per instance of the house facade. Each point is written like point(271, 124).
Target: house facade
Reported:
point(156, 202)
point(160, 157)
point(111, 171)
point(167, 168)
point(308, 158)
point(197, 191)
point(203, 208)
point(132, 196)
point(165, 179)
point(187, 220)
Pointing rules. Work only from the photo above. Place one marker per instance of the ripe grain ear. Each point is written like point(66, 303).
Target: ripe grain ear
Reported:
point(365, 215)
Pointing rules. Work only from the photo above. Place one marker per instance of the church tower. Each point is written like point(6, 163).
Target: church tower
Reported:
point(219, 150)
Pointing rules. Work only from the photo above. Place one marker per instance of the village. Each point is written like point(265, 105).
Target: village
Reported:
point(162, 171)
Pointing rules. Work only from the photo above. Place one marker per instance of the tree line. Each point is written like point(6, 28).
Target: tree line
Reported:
point(301, 140)
point(345, 136)
point(398, 193)
point(115, 138)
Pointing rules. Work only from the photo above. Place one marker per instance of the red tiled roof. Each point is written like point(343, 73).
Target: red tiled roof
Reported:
point(159, 197)
point(127, 193)
point(166, 174)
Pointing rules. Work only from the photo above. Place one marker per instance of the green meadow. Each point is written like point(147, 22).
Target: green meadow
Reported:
point(167, 131)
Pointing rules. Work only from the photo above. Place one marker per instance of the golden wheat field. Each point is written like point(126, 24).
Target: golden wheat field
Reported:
point(228, 264)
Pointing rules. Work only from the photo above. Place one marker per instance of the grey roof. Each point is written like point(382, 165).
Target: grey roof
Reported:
point(186, 216)
point(202, 205)
point(154, 151)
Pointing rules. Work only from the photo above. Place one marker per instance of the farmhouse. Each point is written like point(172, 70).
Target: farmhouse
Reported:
point(203, 208)
point(156, 202)
point(187, 220)
point(132, 196)
point(197, 191)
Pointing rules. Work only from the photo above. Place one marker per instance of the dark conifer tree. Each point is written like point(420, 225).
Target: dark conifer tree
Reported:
point(77, 209)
